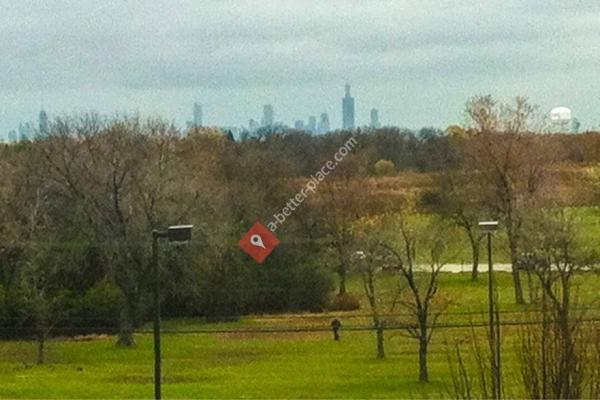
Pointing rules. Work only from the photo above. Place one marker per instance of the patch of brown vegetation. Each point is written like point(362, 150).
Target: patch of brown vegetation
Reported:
point(272, 335)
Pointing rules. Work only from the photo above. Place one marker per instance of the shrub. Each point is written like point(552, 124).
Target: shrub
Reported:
point(430, 200)
point(15, 318)
point(100, 307)
point(344, 302)
point(291, 279)
point(311, 288)
point(385, 168)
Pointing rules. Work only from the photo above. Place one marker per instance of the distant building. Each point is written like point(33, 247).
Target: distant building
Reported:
point(196, 121)
point(375, 119)
point(44, 126)
point(26, 131)
point(562, 121)
point(312, 124)
point(348, 110)
point(324, 124)
point(268, 115)
point(230, 131)
point(575, 124)
point(299, 125)
point(197, 115)
point(253, 125)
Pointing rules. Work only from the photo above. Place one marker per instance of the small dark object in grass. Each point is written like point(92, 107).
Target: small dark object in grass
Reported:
point(336, 325)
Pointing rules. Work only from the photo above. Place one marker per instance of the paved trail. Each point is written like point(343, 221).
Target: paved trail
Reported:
point(483, 267)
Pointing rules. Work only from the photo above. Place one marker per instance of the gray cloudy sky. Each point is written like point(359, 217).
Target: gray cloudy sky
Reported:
point(417, 61)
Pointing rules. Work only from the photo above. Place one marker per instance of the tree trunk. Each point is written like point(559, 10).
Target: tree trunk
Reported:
point(126, 328)
point(514, 259)
point(380, 348)
point(423, 372)
point(126, 338)
point(517, 283)
point(475, 255)
point(342, 274)
point(40, 352)
point(571, 381)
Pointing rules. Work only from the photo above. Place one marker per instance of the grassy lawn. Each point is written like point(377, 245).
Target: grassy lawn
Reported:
point(585, 219)
point(252, 365)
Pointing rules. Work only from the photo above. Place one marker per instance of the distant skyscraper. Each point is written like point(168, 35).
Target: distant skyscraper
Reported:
point(197, 114)
point(253, 125)
point(348, 110)
point(299, 125)
point(375, 119)
point(43, 123)
point(324, 123)
point(575, 124)
point(26, 131)
point(312, 124)
point(268, 115)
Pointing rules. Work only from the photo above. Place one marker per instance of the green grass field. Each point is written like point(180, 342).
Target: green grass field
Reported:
point(257, 365)
point(585, 219)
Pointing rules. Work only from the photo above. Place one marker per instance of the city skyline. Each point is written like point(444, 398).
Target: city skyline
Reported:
point(26, 129)
point(30, 129)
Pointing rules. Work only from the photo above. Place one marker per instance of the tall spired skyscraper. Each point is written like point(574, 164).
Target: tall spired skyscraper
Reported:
point(268, 115)
point(348, 110)
point(44, 128)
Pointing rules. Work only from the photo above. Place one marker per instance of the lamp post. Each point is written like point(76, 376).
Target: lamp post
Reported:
point(489, 227)
point(177, 233)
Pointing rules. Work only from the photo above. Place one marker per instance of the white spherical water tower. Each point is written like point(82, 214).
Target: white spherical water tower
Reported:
point(560, 114)
point(561, 119)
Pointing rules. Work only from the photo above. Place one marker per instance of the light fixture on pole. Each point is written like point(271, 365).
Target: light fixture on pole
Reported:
point(176, 233)
point(489, 227)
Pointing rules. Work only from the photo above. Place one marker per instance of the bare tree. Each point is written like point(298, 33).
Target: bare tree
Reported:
point(25, 220)
point(470, 372)
point(340, 202)
point(510, 164)
point(419, 283)
point(46, 300)
point(370, 264)
point(457, 199)
point(115, 179)
point(555, 351)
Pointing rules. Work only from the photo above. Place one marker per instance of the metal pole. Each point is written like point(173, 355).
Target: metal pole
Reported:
point(492, 325)
point(156, 275)
point(498, 354)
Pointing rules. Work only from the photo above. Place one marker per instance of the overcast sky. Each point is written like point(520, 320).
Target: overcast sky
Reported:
point(416, 61)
